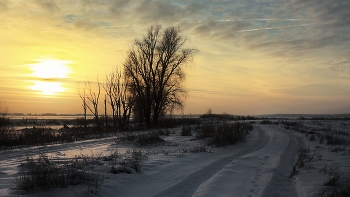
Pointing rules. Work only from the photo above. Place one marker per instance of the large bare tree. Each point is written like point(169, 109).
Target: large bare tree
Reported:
point(154, 65)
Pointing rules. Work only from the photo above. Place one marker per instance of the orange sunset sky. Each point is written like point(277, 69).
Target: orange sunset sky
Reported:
point(255, 56)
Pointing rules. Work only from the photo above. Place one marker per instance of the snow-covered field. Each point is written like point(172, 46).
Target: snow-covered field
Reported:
point(259, 167)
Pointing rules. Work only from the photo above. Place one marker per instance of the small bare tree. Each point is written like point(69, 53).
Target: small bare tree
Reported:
point(93, 97)
point(109, 87)
point(119, 97)
point(82, 94)
point(4, 120)
point(3, 109)
point(6, 130)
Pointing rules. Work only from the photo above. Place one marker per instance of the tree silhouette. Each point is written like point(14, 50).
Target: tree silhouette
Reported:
point(82, 94)
point(120, 99)
point(154, 65)
point(93, 98)
point(90, 95)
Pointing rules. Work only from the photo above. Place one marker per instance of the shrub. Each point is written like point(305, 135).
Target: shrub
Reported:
point(4, 120)
point(174, 122)
point(44, 173)
point(206, 131)
point(339, 182)
point(53, 122)
point(186, 131)
point(218, 116)
point(224, 134)
point(8, 137)
point(149, 138)
point(335, 140)
point(312, 138)
point(337, 149)
point(303, 159)
point(165, 132)
point(144, 139)
point(39, 135)
point(200, 149)
point(132, 159)
point(321, 139)
point(266, 122)
point(30, 121)
point(129, 137)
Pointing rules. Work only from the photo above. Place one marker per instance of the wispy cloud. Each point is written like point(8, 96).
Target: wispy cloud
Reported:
point(3, 5)
point(48, 5)
point(278, 27)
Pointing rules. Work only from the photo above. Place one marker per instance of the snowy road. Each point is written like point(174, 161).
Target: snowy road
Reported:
point(259, 167)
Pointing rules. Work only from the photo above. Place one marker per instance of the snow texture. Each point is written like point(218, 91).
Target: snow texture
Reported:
point(259, 167)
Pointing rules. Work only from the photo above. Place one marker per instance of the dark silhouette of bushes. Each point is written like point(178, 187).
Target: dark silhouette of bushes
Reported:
point(149, 138)
point(335, 140)
point(38, 135)
point(10, 137)
point(223, 134)
point(4, 121)
point(43, 173)
point(132, 159)
point(225, 116)
point(41, 135)
point(186, 131)
point(302, 159)
point(338, 182)
point(174, 122)
point(266, 122)
point(146, 138)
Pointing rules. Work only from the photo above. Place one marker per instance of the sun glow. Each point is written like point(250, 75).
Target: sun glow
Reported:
point(47, 88)
point(49, 69)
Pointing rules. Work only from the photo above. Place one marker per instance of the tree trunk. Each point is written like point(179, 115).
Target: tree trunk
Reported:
point(105, 112)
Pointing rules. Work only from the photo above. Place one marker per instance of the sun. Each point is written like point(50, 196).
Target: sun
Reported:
point(48, 74)
point(50, 68)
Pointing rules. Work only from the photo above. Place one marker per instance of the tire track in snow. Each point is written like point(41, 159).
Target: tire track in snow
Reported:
point(189, 184)
point(270, 175)
point(280, 184)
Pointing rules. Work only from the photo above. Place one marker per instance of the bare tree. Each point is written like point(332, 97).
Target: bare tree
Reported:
point(6, 130)
point(109, 87)
point(3, 109)
point(93, 97)
point(155, 68)
point(120, 99)
point(4, 120)
point(82, 94)
point(105, 107)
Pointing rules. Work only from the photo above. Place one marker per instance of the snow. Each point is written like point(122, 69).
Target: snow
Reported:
point(259, 167)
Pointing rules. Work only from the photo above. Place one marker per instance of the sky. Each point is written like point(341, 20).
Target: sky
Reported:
point(255, 56)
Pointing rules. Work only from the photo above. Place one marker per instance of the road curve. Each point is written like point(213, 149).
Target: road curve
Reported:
point(259, 170)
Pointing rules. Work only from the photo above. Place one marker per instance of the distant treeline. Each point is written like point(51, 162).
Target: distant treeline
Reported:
point(43, 114)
